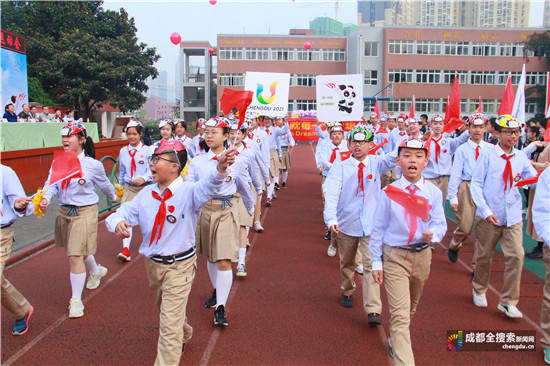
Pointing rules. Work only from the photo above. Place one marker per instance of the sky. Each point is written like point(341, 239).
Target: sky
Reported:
point(197, 20)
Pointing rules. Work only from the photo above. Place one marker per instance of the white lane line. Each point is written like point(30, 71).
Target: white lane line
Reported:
point(60, 320)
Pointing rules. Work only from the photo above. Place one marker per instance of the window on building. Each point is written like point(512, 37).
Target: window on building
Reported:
point(228, 79)
point(371, 77)
point(236, 53)
point(251, 53)
point(306, 105)
point(302, 80)
point(371, 49)
point(339, 55)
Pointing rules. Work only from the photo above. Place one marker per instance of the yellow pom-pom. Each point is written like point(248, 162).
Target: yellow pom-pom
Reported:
point(119, 191)
point(36, 201)
point(184, 170)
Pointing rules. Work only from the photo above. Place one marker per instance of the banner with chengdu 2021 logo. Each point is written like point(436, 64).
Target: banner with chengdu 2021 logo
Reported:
point(270, 93)
point(339, 97)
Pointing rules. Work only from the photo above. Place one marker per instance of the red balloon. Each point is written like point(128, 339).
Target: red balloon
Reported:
point(213, 2)
point(307, 45)
point(210, 50)
point(175, 38)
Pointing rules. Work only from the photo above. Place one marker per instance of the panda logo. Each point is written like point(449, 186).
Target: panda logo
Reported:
point(347, 95)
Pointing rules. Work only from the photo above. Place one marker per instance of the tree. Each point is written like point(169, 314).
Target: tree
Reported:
point(37, 94)
point(539, 43)
point(82, 54)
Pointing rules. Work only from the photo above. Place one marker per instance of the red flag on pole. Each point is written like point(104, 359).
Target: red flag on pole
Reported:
point(239, 99)
point(376, 110)
point(65, 165)
point(411, 112)
point(452, 112)
point(478, 110)
point(507, 102)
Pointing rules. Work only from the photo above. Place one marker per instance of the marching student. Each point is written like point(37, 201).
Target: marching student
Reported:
point(245, 218)
point(166, 130)
point(287, 144)
point(15, 204)
point(180, 128)
point(255, 133)
point(134, 173)
point(76, 222)
point(442, 147)
point(541, 221)
point(218, 229)
point(197, 147)
point(275, 154)
point(465, 159)
point(352, 190)
point(167, 213)
point(329, 155)
point(499, 206)
point(409, 215)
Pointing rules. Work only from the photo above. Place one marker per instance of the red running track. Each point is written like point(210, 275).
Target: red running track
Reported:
point(286, 312)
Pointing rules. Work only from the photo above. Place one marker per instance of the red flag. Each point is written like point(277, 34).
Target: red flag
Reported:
point(412, 203)
point(376, 110)
point(345, 155)
point(453, 124)
point(507, 103)
point(411, 112)
point(546, 135)
point(236, 99)
point(453, 105)
point(528, 181)
point(375, 148)
point(478, 110)
point(65, 165)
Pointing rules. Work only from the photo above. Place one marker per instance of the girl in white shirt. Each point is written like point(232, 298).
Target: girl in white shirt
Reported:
point(180, 129)
point(134, 173)
point(76, 222)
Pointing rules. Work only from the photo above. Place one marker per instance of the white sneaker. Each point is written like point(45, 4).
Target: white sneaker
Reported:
point(241, 271)
point(331, 251)
point(95, 279)
point(390, 348)
point(76, 308)
point(258, 227)
point(511, 311)
point(480, 300)
point(359, 269)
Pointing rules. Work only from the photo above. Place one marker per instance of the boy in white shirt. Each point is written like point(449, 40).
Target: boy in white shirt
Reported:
point(409, 216)
point(499, 206)
point(167, 213)
point(465, 159)
point(352, 190)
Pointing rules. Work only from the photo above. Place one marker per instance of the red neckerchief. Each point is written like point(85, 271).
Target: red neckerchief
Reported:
point(360, 181)
point(437, 148)
point(267, 131)
point(402, 133)
point(333, 155)
point(250, 135)
point(477, 152)
point(507, 175)
point(161, 214)
point(133, 162)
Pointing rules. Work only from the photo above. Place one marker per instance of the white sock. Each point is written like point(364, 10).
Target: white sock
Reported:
point(224, 280)
point(242, 255)
point(91, 265)
point(126, 241)
point(285, 176)
point(276, 179)
point(212, 272)
point(247, 230)
point(270, 189)
point(77, 284)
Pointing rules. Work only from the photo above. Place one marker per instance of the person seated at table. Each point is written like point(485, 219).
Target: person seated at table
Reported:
point(45, 115)
point(58, 117)
point(9, 113)
point(69, 116)
point(34, 113)
point(25, 113)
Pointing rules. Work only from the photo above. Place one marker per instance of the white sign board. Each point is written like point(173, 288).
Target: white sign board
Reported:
point(339, 97)
point(270, 93)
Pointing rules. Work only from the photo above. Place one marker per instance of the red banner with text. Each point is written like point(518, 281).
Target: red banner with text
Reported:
point(303, 129)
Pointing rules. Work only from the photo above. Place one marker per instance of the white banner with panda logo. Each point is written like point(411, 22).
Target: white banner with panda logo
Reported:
point(339, 97)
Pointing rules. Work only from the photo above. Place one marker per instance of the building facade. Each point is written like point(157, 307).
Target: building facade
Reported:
point(422, 62)
point(238, 54)
point(445, 13)
point(156, 109)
